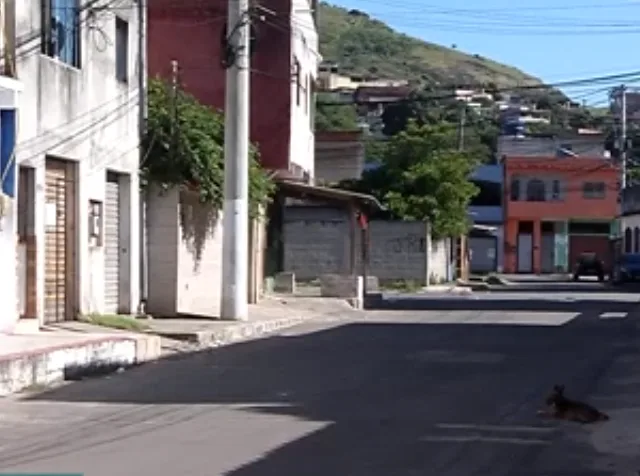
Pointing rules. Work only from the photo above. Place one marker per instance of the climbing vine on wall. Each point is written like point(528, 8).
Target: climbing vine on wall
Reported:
point(185, 147)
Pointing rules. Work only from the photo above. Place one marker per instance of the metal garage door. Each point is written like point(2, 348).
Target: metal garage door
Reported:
point(56, 245)
point(112, 245)
point(484, 250)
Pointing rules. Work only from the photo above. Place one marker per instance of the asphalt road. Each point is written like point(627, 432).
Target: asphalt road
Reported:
point(447, 392)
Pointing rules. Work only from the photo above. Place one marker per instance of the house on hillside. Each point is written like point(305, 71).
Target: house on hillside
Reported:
point(70, 229)
point(560, 199)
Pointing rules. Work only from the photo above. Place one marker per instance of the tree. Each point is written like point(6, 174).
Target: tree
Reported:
point(423, 176)
point(185, 147)
point(338, 117)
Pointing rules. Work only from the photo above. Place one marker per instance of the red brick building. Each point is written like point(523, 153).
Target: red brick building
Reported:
point(284, 66)
point(557, 208)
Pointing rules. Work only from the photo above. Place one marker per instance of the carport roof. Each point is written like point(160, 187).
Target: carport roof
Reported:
point(306, 191)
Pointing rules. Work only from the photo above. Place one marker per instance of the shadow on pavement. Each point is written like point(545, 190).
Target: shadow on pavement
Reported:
point(393, 398)
point(488, 302)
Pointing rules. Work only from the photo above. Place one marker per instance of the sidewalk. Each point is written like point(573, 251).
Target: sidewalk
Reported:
point(28, 360)
point(70, 350)
point(272, 314)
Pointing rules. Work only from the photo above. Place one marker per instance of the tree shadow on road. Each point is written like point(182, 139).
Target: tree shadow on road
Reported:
point(392, 398)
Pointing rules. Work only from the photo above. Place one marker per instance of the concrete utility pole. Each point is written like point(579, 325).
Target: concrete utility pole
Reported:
point(461, 126)
point(175, 71)
point(623, 149)
point(142, 130)
point(235, 243)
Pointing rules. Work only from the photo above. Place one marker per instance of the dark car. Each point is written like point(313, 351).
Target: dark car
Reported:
point(627, 268)
point(589, 264)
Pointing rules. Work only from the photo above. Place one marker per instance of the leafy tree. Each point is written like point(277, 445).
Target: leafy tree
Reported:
point(423, 176)
point(334, 117)
point(185, 147)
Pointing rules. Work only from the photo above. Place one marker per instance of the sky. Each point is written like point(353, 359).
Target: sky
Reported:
point(554, 40)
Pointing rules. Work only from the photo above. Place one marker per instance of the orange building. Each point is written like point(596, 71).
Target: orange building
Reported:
point(557, 208)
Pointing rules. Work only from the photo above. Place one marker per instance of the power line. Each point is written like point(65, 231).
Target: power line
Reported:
point(614, 78)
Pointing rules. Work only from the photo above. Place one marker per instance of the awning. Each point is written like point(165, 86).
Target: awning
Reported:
point(304, 191)
point(9, 90)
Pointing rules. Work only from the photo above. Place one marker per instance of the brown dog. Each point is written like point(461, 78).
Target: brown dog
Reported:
point(562, 408)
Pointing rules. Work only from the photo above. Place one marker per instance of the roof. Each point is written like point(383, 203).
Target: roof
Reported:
point(303, 190)
point(367, 92)
point(339, 136)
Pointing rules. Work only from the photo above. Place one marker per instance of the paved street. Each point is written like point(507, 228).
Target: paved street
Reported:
point(443, 386)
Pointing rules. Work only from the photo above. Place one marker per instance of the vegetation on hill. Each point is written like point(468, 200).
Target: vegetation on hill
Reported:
point(366, 46)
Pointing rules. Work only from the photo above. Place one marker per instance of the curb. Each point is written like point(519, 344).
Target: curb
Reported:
point(232, 333)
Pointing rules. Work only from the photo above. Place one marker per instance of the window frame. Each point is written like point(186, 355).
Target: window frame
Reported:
point(122, 63)
point(56, 12)
point(594, 190)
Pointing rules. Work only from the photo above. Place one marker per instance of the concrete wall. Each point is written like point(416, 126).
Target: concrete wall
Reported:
point(185, 255)
point(318, 241)
point(340, 155)
point(85, 115)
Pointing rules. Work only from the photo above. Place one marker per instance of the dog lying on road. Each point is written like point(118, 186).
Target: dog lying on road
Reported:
point(562, 408)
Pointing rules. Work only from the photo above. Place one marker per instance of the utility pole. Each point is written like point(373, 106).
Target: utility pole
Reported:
point(235, 218)
point(142, 131)
point(623, 147)
point(461, 125)
point(174, 105)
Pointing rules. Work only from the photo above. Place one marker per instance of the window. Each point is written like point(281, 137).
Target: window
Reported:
point(307, 90)
point(61, 30)
point(298, 79)
point(515, 190)
point(628, 240)
point(312, 103)
point(536, 191)
point(636, 240)
point(555, 190)
point(122, 50)
point(593, 190)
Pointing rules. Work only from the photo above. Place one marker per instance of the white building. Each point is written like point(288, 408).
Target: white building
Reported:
point(306, 59)
point(629, 220)
point(73, 225)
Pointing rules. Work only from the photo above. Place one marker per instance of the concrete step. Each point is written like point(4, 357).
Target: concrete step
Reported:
point(47, 357)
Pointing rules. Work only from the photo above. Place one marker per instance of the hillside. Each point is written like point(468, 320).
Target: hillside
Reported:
point(363, 45)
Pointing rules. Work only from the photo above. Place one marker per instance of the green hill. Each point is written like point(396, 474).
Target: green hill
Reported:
point(364, 46)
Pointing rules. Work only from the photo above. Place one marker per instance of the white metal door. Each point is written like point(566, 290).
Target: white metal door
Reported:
point(112, 245)
point(525, 253)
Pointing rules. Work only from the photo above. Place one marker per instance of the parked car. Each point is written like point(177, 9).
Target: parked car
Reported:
point(589, 264)
point(627, 268)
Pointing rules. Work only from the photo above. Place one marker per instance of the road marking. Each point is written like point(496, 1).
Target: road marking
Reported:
point(613, 315)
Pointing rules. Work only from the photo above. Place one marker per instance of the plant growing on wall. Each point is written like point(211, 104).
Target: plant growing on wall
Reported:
point(185, 147)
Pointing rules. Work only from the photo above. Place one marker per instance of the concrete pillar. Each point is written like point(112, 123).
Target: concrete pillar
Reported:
point(537, 246)
point(511, 246)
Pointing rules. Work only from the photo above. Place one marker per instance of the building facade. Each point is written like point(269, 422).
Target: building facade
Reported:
point(284, 68)
point(486, 240)
point(71, 219)
point(340, 155)
point(630, 220)
point(557, 208)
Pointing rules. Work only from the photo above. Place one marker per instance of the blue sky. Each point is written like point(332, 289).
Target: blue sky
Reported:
point(553, 39)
